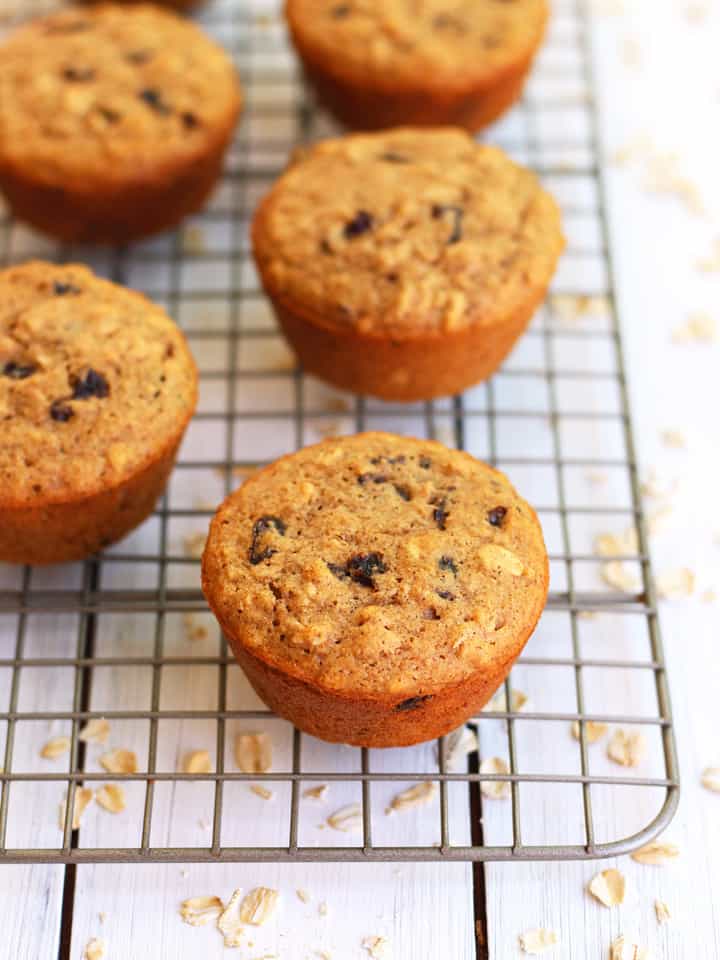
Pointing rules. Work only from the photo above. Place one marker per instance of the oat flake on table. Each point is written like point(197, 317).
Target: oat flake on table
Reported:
point(662, 912)
point(111, 797)
point(627, 748)
point(656, 854)
point(197, 761)
point(711, 779)
point(55, 747)
point(347, 818)
point(609, 887)
point(94, 949)
point(415, 796)
point(538, 941)
point(82, 798)
point(119, 761)
point(620, 949)
point(229, 923)
point(253, 752)
point(495, 789)
point(594, 731)
point(96, 730)
point(197, 911)
point(259, 905)
point(377, 947)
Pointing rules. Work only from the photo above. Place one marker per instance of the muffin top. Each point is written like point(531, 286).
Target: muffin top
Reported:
point(423, 230)
point(433, 43)
point(96, 382)
point(113, 92)
point(377, 565)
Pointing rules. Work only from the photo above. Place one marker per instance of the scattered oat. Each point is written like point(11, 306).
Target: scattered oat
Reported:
point(621, 950)
point(96, 730)
point(656, 853)
point(323, 909)
point(415, 796)
point(193, 629)
point(261, 791)
point(652, 489)
point(377, 947)
point(55, 747)
point(259, 905)
point(625, 748)
point(657, 521)
point(194, 544)
point(316, 793)
point(496, 789)
point(111, 797)
point(498, 704)
point(119, 761)
point(674, 438)
point(457, 745)
point(708, 596)
point(192, 240)
point(229, 923)
point(346, 818)
point(197, 761)
point(594, 731)
point(303, 895)
point(609, 887)
point(616, 575)
point(614, 545)
point(102, 916)
point(662, 175)
point(662, 912)
point(253, 752)
point(675, 584)
point(699, 327)
point(83, 796)
point(538, 941)
point(95, 949)
point(711, 263)
point(204, 823)
point(711, 779)
point(197, 911)
point(323, 955)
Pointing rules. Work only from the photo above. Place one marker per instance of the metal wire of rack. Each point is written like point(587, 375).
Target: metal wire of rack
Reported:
point(101, 639)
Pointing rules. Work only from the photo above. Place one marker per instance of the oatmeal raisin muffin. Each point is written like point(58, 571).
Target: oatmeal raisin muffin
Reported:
point(115, 121)
point(415, 275)
point(376, 589)
point(379, 63)
point(97, 386)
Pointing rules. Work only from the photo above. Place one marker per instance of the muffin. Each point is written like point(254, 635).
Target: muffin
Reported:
point(376, 589)
point(380, 63)
point(115, 123)
point(416, 273)
point(97, 386)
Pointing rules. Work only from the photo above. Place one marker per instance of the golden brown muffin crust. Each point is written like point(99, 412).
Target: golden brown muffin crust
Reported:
point(95, 383)
point(395, 43)
point(423, 230)
point(377, 565)
point(111, 94)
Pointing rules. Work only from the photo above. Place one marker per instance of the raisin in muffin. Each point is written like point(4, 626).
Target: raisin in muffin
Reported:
point(97, 386)
point(376, 589)
point(378, 63)
point(414, 276)
point(115, 121)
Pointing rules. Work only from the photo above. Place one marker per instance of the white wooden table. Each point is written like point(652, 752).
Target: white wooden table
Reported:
point(427, 910)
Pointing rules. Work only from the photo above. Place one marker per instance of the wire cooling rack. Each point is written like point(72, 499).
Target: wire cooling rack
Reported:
point(126, 635)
